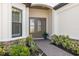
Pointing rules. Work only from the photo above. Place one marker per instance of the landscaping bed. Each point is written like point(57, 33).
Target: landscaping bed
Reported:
point(66, 43)
point(21, 47)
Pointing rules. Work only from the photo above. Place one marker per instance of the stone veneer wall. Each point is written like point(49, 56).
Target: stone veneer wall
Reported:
point(7, 44)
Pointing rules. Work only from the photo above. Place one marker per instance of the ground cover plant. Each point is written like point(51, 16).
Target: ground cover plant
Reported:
point(66, 43)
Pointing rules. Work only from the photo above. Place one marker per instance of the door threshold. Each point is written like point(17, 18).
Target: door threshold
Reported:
point(37, 38)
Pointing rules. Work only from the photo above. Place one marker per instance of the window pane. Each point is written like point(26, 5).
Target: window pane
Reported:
point(31, 25)
point(39, 25)
point(16, 22)
point(15, 16)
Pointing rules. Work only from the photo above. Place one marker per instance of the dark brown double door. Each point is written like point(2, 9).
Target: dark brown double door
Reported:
point(37, 26)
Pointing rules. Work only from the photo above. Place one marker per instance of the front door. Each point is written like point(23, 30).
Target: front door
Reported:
point(37, 26)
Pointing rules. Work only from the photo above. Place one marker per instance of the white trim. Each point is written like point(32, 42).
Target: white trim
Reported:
point(47, 24)
point(12, 39)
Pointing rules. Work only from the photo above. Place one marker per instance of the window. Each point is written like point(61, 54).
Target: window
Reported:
point(39, 25)
point(16, 22)
point(32, 26)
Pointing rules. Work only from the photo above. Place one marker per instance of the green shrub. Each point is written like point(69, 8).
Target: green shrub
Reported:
point(19, 50)
point(54, 39)
point(32, 45)
point(2, 51)
point(22, 41)
point(64, 44)
point(77, 50)
point(34, 48)
point(29, 41)
point(61, 39)
point(67, 41)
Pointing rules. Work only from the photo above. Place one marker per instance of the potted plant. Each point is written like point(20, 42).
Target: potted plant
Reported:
point(45, 35)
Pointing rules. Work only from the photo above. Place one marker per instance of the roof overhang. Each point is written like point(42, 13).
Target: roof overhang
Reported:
point(53, 5)
point(27, 4)
point(59, 6)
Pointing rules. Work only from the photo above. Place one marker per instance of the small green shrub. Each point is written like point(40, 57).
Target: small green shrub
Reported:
point(77, 50)
point(54, 39)
point(22, 41)
point(29, 41)
point(2, 51)
point(61, 39)
point(64, 44)
point(19, 50)
point(32, 45)
point(34, 48)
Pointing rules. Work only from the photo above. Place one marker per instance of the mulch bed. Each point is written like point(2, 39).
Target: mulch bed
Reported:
point(67, 50)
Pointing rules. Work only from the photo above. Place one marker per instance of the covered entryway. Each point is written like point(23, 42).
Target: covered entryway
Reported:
point(40, 20)
point(37, 26)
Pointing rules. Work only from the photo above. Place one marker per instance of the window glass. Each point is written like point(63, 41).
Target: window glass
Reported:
point(16, 22)
point(31, 25)
point(39, 25)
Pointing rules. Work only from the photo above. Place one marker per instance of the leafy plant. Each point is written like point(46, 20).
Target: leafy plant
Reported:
point(19, 50)
point(34, 48)
point(2, 51)
point(45, 35)
point(32, 45)
point(22, 41)
point(54, 38)
point(29, 41)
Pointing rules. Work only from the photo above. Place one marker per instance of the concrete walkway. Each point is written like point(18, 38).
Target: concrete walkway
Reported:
point(51, 50)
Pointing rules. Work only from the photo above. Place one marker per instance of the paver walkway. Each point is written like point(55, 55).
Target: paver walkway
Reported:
point(51, 50)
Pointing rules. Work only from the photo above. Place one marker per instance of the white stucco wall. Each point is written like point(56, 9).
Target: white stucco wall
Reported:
point(50, 30)
point(68, 20)
point(55, 29)
point(6, 21)
point(0, 21)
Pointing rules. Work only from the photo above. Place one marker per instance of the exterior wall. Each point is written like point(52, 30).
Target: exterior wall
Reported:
point(68, 20)
point(50, 22)
point(43, 14)
point(54, 22)
point(38, 13)
point(0, 21)
point(6, 21)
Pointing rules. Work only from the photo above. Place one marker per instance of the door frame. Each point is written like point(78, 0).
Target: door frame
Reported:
point(37, 18)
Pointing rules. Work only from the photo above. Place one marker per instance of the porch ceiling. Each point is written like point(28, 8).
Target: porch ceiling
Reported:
point(48, 4)
point(55, 6)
